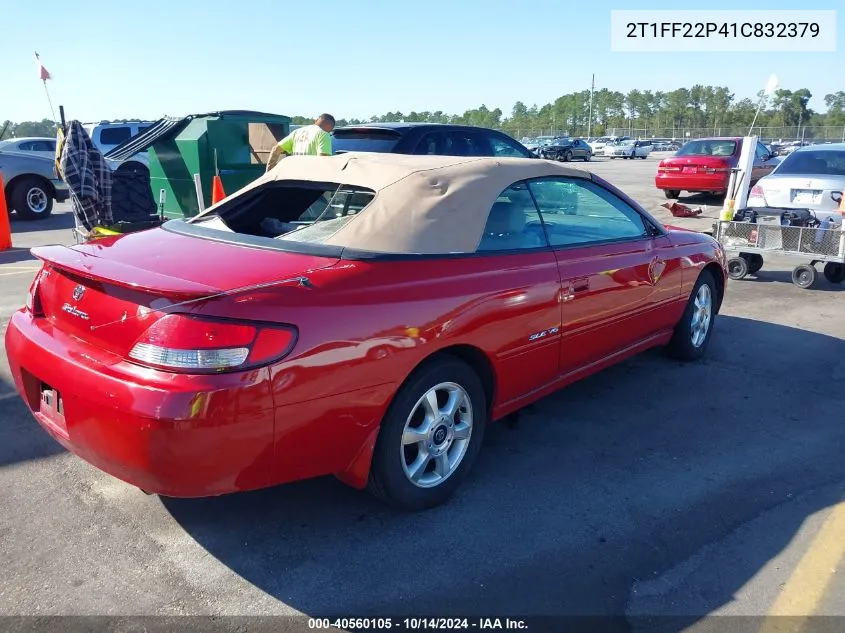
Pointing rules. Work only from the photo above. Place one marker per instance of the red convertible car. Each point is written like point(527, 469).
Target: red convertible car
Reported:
point(363, 315)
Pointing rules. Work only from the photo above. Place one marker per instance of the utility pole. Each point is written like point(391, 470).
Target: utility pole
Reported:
point(590, 117)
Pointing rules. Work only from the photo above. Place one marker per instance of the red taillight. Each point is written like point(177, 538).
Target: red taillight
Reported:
point(184, 343)
point(663, 167)
point(757, 192)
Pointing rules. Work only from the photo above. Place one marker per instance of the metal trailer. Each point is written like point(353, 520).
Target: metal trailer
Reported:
point(767, 236)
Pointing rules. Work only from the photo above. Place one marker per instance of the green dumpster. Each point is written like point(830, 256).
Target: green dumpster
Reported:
point(233, 143)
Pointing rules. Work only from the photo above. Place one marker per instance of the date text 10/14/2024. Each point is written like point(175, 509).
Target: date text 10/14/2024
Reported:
point(418, 624)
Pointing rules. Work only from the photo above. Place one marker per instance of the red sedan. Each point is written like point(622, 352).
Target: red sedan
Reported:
point(704, 166)
point(363, 315)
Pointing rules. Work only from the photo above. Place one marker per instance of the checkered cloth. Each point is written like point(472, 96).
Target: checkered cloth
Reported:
point(88, 177)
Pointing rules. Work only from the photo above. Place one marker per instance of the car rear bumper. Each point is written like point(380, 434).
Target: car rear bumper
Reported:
point(716, 183)
point(185, 440)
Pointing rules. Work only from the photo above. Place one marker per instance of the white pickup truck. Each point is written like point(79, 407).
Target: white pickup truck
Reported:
point(107, 136)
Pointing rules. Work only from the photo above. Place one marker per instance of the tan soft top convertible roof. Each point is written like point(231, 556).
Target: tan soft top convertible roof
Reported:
point(422, 204)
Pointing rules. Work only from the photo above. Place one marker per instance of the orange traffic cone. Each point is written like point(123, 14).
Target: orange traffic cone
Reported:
point(5, 227)
point(217, 193)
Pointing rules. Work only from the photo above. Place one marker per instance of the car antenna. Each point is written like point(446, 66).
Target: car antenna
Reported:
point(301, 280)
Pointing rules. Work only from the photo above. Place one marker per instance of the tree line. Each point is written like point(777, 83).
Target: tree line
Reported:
point(662, 113)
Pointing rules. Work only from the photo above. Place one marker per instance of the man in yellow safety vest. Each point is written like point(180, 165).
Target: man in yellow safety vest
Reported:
point(310, 140)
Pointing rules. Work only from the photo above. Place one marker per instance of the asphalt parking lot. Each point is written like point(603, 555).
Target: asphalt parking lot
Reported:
point(652, 489)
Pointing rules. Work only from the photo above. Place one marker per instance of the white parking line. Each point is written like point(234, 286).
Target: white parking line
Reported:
point(20, 272)
point(8, 396)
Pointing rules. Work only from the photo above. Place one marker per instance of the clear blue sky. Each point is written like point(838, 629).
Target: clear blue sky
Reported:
point(354, 59)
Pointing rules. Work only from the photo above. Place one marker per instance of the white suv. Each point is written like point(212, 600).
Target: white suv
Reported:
point(107, 136)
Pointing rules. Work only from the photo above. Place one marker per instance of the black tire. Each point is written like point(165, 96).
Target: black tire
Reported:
point(804, 276)
point(754, 261)
point(643, 157)
point(737, 268)
point(32, 198)
point(682, 346)
point(671, 193)
point(567, 156)
point(132, 197)
point(834, 272)
point(588, 157)
point(388, 480)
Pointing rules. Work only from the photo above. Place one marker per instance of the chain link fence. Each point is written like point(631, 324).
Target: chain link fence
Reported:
point(767, 134)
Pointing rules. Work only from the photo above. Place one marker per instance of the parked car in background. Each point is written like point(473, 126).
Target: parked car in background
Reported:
point(441, 139)
point(808, 178)
point(600, 143)
point(38, 145)
point(106, 136)
point(373, 341)
point(787, 148)
point(704, 166)
point(566, 149)
point(665, 145)
point(628, 149)
point(31, 184)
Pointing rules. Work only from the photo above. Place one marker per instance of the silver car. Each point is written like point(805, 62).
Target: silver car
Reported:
point(31, 184)
point(811, 177)
point(38, 145)
point(628, 149)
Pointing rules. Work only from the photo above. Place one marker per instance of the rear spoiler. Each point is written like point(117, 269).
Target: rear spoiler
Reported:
point(105, 270)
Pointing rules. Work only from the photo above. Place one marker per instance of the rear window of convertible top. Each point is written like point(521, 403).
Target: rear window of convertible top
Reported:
point(297, 213)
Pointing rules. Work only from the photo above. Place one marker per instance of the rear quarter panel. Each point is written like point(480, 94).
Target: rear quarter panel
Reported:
point(695, 252)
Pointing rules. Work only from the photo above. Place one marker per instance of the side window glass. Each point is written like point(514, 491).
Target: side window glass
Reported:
point(580, 212)
point(458, 144)
point(513, 222)
point(430, 144)
point(468, 144)
point(762, 152)
point(479, 144)
point(26, 147)
point(114, 135)
point(503, 147)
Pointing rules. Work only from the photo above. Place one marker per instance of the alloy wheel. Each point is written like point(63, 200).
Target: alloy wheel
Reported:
point(436, 435)
point(702, 315)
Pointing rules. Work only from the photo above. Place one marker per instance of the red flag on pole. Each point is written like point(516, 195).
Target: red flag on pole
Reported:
point(43, 73)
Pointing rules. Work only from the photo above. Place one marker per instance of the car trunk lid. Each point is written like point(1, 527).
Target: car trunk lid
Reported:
point(806, 192)
point(109, 292)
point(697, 164)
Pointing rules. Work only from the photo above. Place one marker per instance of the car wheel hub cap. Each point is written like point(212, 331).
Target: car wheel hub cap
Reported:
point(702, 314)
point(436, 435)
point(36, 199)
